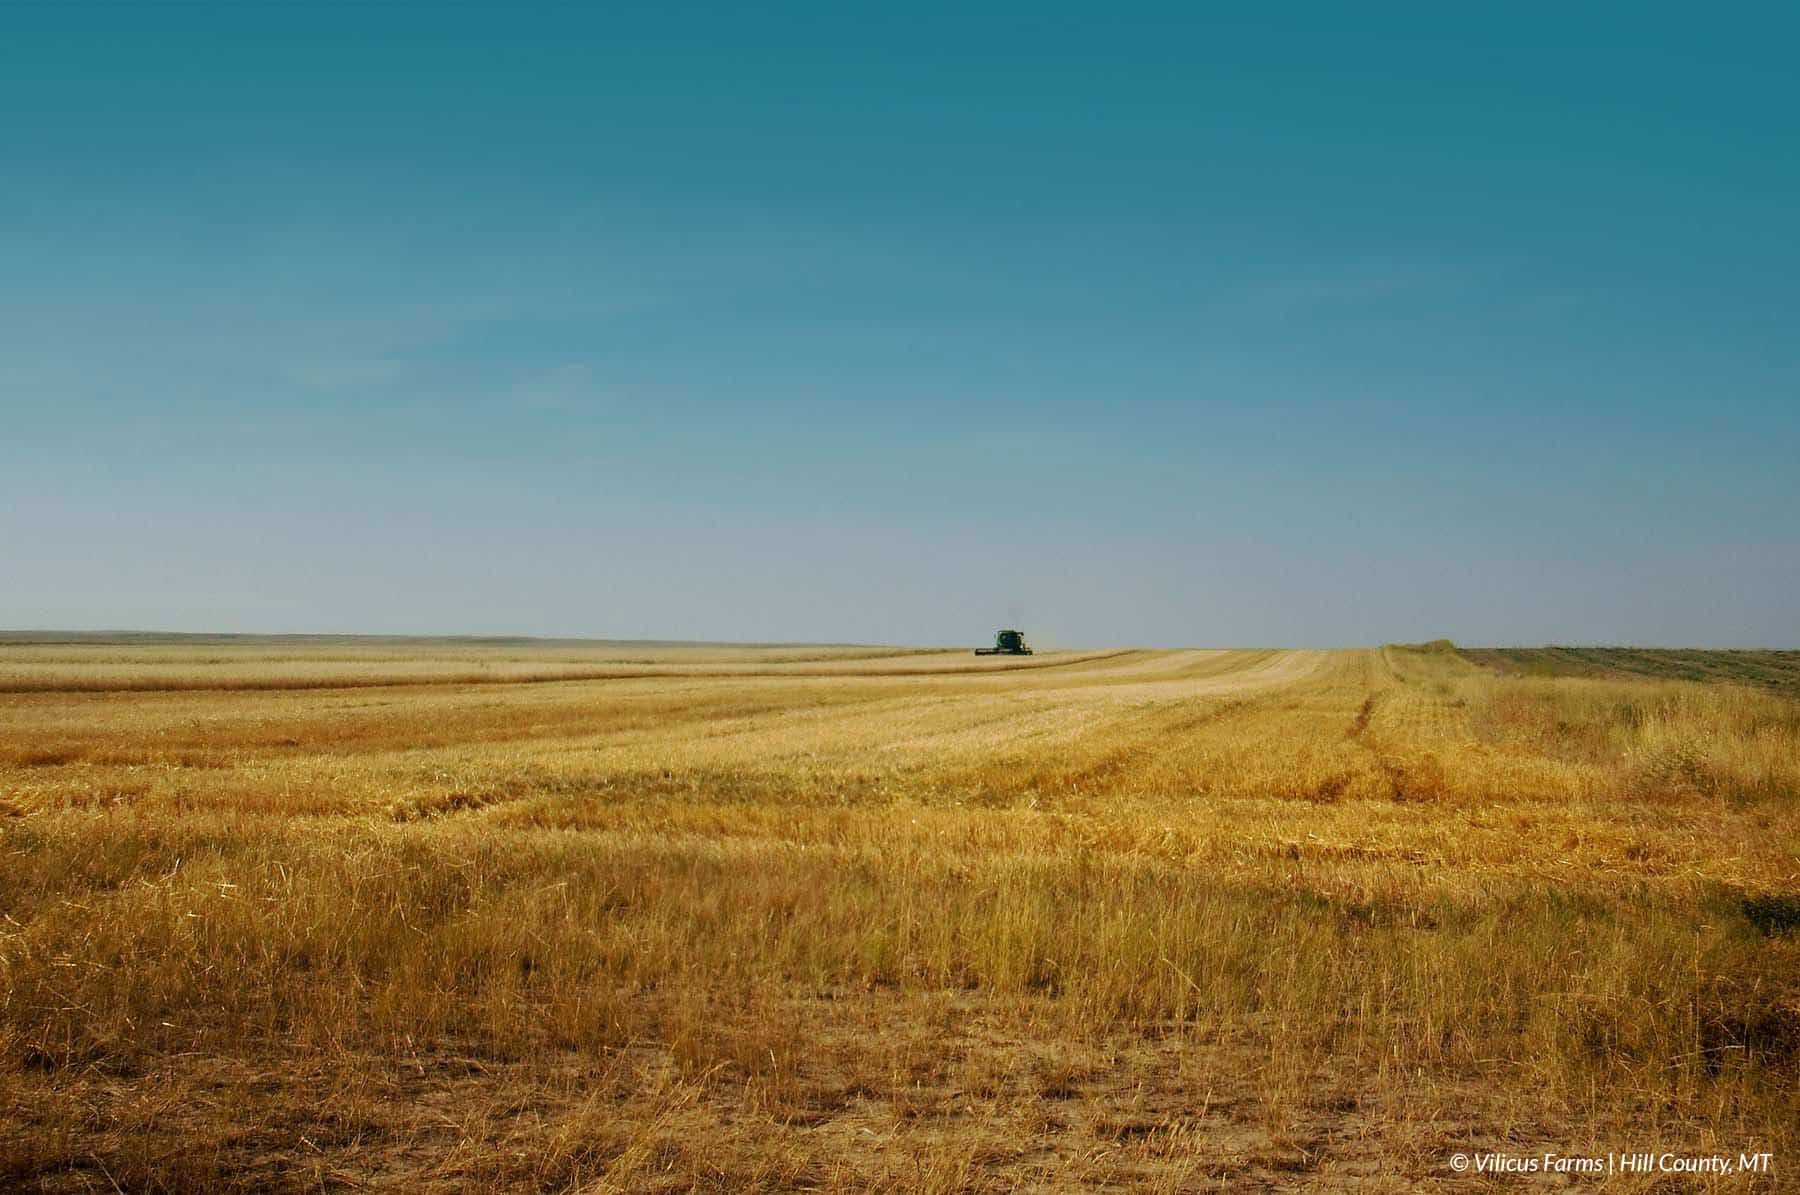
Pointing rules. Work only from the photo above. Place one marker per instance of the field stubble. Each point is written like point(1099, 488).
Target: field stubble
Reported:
point(640, 918)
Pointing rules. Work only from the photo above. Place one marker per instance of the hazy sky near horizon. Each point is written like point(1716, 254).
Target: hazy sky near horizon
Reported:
point(1159, 324)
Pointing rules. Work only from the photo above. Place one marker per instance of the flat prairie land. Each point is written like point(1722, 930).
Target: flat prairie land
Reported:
point(1778, 670)
point(464, 915)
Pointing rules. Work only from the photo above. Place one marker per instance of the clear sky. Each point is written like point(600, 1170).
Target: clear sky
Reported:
point(1186, 324)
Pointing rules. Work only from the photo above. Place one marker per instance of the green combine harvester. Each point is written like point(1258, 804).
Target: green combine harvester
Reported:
point(1006, 643)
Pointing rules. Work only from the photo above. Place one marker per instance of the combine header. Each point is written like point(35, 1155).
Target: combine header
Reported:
point(1006, 643)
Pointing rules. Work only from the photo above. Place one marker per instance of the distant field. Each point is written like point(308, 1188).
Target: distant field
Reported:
point(1779, 670)
point(164, 662)
point(470, 915)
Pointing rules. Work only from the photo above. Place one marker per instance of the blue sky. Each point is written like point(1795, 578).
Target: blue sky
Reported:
point(1168, 325)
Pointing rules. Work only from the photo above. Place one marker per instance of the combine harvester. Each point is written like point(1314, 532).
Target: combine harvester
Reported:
point(1006, 643)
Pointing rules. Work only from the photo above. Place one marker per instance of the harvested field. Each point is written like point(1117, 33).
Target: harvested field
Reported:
point(461, 916)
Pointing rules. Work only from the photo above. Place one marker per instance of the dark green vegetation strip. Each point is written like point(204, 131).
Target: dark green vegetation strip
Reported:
point(1778, 670)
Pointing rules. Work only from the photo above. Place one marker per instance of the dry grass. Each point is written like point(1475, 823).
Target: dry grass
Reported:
point(339, 915)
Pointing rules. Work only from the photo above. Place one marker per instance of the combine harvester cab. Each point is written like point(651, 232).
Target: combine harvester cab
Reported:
point(1006, 643)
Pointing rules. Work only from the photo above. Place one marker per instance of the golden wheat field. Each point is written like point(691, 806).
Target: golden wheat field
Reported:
point(457, 916)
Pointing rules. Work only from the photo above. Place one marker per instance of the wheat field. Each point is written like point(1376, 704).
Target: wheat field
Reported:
point(446, 916)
